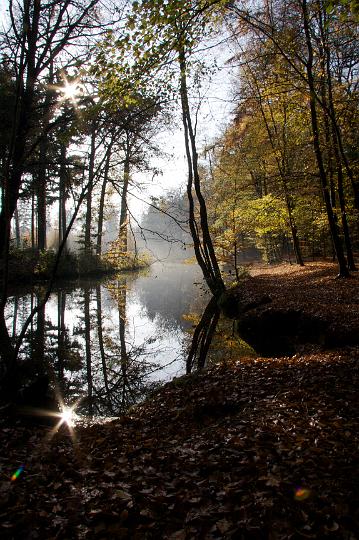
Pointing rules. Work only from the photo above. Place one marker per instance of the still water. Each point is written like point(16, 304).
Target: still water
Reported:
point(109, 342)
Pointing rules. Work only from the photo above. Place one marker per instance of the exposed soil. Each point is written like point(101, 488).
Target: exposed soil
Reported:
point(252, 449)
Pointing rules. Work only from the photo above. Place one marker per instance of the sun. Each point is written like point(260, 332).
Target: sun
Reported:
point(70, 90)
point(68, 416)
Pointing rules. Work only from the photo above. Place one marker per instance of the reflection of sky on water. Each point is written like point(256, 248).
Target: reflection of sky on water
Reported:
point(155, 308)
point(149, 348)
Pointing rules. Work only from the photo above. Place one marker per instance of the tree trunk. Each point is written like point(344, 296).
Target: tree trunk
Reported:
point(202, 241)
point(102, 202)
point(283, 173)
point(122, 234)
point(42, 171)
point(9, 379)
point(14, 318)
point(41, 197)
point(17, 228)
point(91, 174)
point(203, 335)
point(343, 270)
point(334, 139)
point(33, 226)
point(39, 337)
point(348, 244)
point(62, 193)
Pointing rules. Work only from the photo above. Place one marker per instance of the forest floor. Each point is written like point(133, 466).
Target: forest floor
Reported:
point(255, 448)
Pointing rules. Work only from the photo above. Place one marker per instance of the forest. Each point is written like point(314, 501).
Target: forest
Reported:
point(179, 247)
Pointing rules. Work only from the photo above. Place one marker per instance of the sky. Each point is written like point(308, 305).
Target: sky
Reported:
point(214, 115)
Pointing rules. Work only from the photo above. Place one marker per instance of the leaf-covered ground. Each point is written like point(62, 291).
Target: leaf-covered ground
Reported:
point(252, 449)
point(314, 290)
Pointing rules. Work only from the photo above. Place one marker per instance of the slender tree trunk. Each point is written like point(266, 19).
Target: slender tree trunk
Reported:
point(33, 226)
point(203, 336)
point(122, 234)
point(41, 196)
point(293, 227)
point(102, 202)
point(91, 173)
point(42, 171)
point(17, 228)
point(14, 317)
point(282, 169)
point(6, 349)
point(62, 193)
point(348, 244)
point(203, 246)
point(333, 140)
point(343, 270)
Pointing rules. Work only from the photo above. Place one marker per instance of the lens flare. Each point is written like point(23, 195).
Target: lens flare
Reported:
point(70, 90)
point(17, 473)
point(68, 416)
point(301, 494)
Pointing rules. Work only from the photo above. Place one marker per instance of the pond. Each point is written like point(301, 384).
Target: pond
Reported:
point(108, 342)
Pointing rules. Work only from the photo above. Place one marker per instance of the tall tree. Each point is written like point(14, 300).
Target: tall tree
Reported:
point(281, 25)
point(38, 34)
point(162, 36)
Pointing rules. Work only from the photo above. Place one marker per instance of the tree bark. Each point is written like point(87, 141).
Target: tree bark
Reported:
point(102, 202)
point(122, 233)
point(91, 174)
point(41, 197)
point(17, 228)
point(62, 193)
point(202, 241)
point(343, 269)
point(43, 168)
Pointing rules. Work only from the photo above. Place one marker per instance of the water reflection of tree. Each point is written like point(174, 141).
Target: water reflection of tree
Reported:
point(128, 367)
point(87, 319)
point(102, 347)
point(67, 354)
point(214, 338)
point(202, 336)
point(34, 355)
point(38, 342)
point(89, 351)
point(97, 362)
point(33, 360)
point(14, 318)
point(167, 297)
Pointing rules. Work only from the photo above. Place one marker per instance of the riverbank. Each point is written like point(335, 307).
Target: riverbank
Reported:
point(255, 448)
point(33, 267)
point(305, 309)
